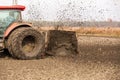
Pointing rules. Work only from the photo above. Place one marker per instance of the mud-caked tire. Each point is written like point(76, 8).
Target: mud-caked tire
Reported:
point(26, 43)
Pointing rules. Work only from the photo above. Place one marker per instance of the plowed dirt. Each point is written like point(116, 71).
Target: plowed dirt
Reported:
point(98, 59)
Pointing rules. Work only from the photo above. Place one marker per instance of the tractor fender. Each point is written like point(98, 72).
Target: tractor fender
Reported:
point(15, 26)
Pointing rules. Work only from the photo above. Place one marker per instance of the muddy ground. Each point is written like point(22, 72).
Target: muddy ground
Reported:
point(98, 59)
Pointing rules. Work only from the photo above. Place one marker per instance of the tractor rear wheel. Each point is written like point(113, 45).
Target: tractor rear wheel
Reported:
point(26, 43)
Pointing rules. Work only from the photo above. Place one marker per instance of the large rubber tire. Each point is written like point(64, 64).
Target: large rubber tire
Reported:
point(26, 43)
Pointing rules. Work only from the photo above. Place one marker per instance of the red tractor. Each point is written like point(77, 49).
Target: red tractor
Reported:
point(24, 42)
point(21, 40)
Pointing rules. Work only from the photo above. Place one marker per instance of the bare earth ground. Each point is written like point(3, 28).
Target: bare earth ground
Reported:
point(98, 59)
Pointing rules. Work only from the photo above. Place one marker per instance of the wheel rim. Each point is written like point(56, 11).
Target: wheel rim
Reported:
point(28, 44)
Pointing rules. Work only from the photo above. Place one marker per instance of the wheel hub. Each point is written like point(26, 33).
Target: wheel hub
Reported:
point(28, 44)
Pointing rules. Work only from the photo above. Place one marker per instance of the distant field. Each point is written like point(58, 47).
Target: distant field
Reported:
point(107, 31)
point(92, 31)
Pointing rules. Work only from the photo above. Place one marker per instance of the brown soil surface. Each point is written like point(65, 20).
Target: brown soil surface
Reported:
point(98, 59)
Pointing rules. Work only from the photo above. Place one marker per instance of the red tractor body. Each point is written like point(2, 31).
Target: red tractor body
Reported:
point(21, 40)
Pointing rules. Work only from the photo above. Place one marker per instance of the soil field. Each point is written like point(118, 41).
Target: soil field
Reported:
point(98, 59)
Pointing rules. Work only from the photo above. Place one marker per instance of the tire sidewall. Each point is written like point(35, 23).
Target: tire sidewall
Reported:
point(17, 44)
